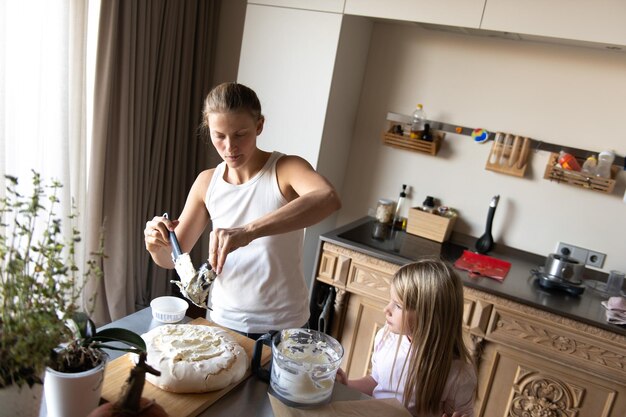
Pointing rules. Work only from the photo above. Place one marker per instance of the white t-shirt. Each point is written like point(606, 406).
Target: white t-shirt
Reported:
point(261, 286)
point(458, 393)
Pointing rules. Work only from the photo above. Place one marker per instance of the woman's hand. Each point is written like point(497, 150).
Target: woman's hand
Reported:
point(224, 241)
point(156, 234)
point(341, 377)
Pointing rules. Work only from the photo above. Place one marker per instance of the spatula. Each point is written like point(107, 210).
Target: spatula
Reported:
point(194, 285)
point(485, 243)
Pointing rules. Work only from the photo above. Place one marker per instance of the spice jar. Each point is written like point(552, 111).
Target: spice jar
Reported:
point(384, 211)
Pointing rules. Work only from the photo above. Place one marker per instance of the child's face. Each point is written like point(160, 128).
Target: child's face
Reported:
point(234, 136)
point(394, 312)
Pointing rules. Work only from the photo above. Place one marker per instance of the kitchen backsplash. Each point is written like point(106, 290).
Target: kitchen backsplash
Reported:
point(559, 93)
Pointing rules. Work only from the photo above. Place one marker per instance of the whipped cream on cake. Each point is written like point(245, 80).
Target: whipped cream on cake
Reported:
point(194, 358)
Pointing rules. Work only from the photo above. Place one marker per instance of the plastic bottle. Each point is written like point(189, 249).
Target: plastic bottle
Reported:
point(589, 167)
point(605, 161)
point(397, 218)
point(417, 123)
point(567, 161)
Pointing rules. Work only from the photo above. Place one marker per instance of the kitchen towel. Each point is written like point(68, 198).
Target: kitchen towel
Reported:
point(482, 265)
point(615, 310)
point(389, 407)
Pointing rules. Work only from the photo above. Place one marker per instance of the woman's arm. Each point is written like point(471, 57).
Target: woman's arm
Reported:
point(189, 226)
point(311, 198)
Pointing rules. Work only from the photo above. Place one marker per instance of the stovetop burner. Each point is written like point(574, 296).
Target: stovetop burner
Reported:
point(548, 282)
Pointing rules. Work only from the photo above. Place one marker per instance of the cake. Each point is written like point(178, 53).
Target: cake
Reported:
point(194, 358)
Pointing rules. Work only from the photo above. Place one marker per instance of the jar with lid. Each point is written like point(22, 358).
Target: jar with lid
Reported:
point(568, 161)
point(429, 204)
point(589, 167)
point(384, 211)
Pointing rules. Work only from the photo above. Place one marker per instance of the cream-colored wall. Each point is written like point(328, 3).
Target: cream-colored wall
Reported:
point(229, 35)
point(562, 94)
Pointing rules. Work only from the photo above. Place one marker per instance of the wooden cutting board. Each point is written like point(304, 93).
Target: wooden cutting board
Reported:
point(176, 405)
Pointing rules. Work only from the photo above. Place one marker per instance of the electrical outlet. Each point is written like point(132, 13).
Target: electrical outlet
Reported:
point(595, 259)
point(571, 251)
point(582, 255)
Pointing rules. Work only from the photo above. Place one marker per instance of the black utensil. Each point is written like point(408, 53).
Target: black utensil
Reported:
point(176, 252)
point(485, 243)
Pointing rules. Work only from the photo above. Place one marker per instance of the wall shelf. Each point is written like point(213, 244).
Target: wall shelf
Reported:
point(578, 179)
point(535, 144)
point(417, 145)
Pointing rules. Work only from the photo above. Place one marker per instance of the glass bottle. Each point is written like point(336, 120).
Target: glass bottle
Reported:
point(398, 221)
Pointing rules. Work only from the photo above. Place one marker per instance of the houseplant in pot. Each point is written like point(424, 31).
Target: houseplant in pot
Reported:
point(40, 288)
point(74, 377)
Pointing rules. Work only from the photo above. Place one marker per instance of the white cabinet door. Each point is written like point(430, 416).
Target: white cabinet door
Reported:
point(288, 57)
point(335, 6)
point(602, 21)
point(464, 13)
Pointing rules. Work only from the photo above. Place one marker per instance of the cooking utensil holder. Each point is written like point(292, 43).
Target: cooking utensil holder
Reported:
point(430, 226)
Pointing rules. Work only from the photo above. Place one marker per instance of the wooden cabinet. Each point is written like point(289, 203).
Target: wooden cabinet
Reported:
point(600, 21)
point(530, 362)
point(464, 13)
point(364, 317)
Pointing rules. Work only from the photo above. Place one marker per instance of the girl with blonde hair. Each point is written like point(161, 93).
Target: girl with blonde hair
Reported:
point(419, 355)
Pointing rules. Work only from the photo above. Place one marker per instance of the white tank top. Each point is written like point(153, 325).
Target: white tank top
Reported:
point(261, 286)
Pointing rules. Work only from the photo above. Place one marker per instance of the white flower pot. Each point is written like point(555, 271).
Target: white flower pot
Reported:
point(73, 395)
point(22, 401)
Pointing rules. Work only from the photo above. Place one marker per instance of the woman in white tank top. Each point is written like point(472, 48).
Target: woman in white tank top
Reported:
point(259, 203)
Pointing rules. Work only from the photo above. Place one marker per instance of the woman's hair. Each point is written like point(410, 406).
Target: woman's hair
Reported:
point(432, 297)
point(232, 97)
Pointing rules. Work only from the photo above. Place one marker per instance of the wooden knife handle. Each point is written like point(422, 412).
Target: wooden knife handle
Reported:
point(524, 154)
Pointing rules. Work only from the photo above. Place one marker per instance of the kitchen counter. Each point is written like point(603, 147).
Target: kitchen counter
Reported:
point(519, 285)
point(249, 398)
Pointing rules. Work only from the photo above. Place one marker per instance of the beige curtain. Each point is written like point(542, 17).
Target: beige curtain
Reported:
point(153, 70)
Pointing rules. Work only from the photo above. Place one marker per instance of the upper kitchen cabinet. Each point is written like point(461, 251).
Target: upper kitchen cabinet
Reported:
point(334, 6)
point(598, 21)
point(464, 13)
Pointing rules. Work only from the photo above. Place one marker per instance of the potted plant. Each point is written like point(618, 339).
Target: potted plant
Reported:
point(40, 288)
point(73, 382)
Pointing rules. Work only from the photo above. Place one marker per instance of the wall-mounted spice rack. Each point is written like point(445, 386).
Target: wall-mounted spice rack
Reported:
point(535, 144)
point(554, 172)
point(393, 138)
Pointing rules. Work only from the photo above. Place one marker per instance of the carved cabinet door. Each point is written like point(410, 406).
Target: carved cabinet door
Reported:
point(513, 383)
point(364, 317)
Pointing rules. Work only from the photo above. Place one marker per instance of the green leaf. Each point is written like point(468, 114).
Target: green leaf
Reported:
point(120, 335)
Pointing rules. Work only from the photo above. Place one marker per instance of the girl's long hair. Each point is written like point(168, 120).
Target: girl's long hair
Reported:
point(432, 296)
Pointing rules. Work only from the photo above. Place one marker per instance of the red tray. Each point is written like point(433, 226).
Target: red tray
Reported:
point(482, 265)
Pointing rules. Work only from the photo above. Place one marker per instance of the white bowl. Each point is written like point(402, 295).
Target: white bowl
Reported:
point(169, 309)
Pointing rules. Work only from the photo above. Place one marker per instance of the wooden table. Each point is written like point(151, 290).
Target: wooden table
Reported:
point(247, 399)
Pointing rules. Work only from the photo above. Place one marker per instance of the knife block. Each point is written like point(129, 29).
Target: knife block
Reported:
point(509, 158)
